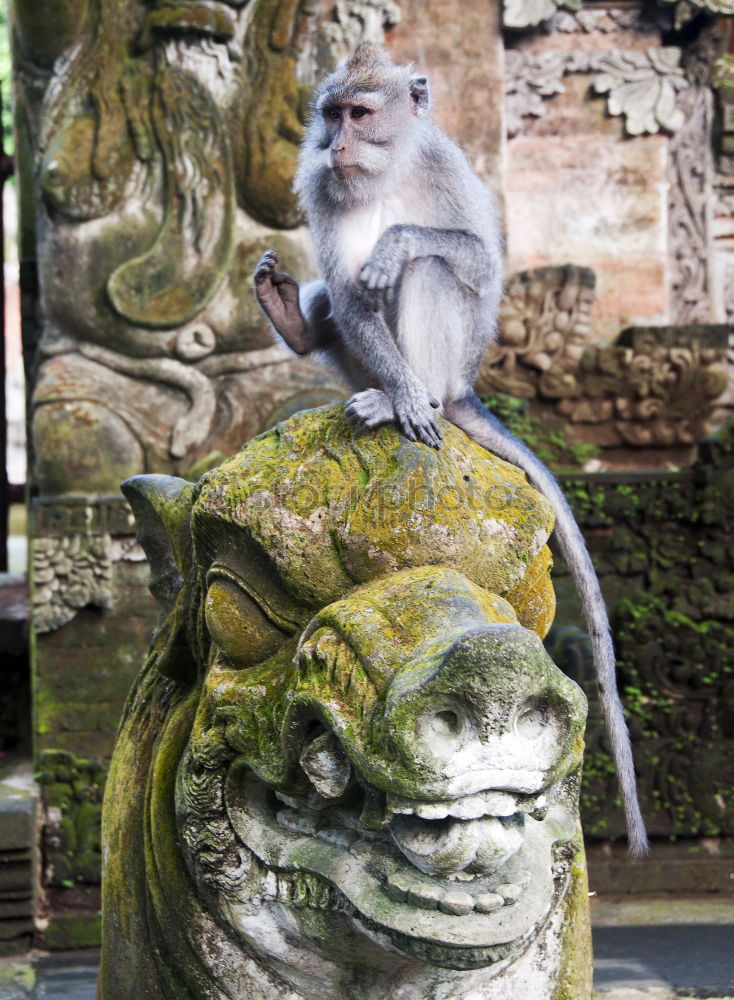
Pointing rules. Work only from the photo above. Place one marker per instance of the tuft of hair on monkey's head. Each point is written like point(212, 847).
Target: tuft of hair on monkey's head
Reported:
point(370, 69)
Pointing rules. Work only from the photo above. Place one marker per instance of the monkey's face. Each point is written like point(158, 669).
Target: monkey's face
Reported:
point(361, 139)
point(360, 135)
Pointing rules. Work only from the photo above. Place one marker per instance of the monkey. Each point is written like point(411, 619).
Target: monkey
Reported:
point(410, 252)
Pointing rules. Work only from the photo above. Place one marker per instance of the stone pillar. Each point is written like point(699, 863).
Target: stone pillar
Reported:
point(348, 768)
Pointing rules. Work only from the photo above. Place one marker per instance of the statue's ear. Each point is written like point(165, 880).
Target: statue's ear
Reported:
point(162, 509)
point(420, 95)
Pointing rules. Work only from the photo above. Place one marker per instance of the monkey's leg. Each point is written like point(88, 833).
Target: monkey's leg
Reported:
point(475, 419)
point(366, 338)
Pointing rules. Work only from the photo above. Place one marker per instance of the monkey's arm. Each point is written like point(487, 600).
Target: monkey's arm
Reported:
point(463, 252)
point(303, 321)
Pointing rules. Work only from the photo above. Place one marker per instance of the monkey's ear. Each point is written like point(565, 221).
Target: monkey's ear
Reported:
point(420, 95)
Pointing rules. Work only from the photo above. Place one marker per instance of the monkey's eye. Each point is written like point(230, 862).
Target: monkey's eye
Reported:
point(333, 114)
point(360, 112)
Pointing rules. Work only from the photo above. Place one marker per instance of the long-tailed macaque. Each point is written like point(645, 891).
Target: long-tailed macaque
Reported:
point(410, 252)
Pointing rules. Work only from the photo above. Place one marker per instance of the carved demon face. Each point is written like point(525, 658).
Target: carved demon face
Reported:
point(381, 762)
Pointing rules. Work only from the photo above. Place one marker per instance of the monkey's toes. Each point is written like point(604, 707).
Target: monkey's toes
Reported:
point(369, 408)
point(266, 265)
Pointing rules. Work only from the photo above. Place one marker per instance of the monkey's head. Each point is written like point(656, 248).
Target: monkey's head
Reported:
point(359, 113)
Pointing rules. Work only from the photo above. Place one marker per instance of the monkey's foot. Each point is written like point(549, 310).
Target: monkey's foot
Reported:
point(277, 293)
point(369, 408)
point(415, 414)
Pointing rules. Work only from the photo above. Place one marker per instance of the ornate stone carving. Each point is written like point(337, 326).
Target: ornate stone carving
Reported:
point(610, 20)
point(528, 13)
point(689, 209)
point(545, 325)
point(654, 387)
point(71, 515)
point(75, 543)
point(69, 572)
point(657, 386)
point(722, 80)
point(686, 10)
point(331, 723)
point(641, 86)
point(364, 21)
point(531, 77)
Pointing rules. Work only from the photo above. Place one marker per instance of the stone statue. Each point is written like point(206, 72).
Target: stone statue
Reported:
point(157, 144)
point(348, 768)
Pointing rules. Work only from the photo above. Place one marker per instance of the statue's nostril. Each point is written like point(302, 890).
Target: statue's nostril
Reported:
point(327, 766)
point(445, 724)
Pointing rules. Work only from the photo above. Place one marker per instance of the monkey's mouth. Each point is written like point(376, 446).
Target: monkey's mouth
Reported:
point(404, 880)
point(346, 170)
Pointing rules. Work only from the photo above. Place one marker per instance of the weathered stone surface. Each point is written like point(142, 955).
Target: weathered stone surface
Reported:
point(607, 194)
point(18, 802)
point(18, 870)
point(342, 736)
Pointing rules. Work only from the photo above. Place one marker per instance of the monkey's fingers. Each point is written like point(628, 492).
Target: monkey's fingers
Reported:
point(374, 277)
point(406, 428)
point(430, 435)
point(368, 297)
point(424, 434)
point(426, 430)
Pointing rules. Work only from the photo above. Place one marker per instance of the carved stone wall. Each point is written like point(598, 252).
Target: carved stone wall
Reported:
point(578, 191)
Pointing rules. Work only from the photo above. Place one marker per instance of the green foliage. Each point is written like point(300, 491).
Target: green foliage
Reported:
point(5, 81)
point(72, 793)
point(547, 436)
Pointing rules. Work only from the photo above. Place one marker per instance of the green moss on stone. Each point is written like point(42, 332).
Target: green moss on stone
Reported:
point(67, 932)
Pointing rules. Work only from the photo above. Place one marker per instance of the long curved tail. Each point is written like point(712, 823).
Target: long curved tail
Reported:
point(476, 420)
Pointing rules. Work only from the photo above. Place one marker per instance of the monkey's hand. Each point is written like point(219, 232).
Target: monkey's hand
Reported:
point(380, 275)
point(277, 293)
point(415, 414)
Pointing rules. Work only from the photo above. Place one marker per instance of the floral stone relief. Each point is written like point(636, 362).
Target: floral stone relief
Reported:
point(520, 14)
point(348, 767)
point(641, 85)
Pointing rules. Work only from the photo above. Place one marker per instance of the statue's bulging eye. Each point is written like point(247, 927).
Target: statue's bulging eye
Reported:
point(238, 626)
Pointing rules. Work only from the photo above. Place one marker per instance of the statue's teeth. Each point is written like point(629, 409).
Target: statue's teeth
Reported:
point(476, 806)
point(457, 901)
point(432, 810)
point(510, 892)
point(487, 902)
point(427, 897)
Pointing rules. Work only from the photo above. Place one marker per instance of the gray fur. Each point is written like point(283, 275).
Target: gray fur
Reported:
point(409, 248)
